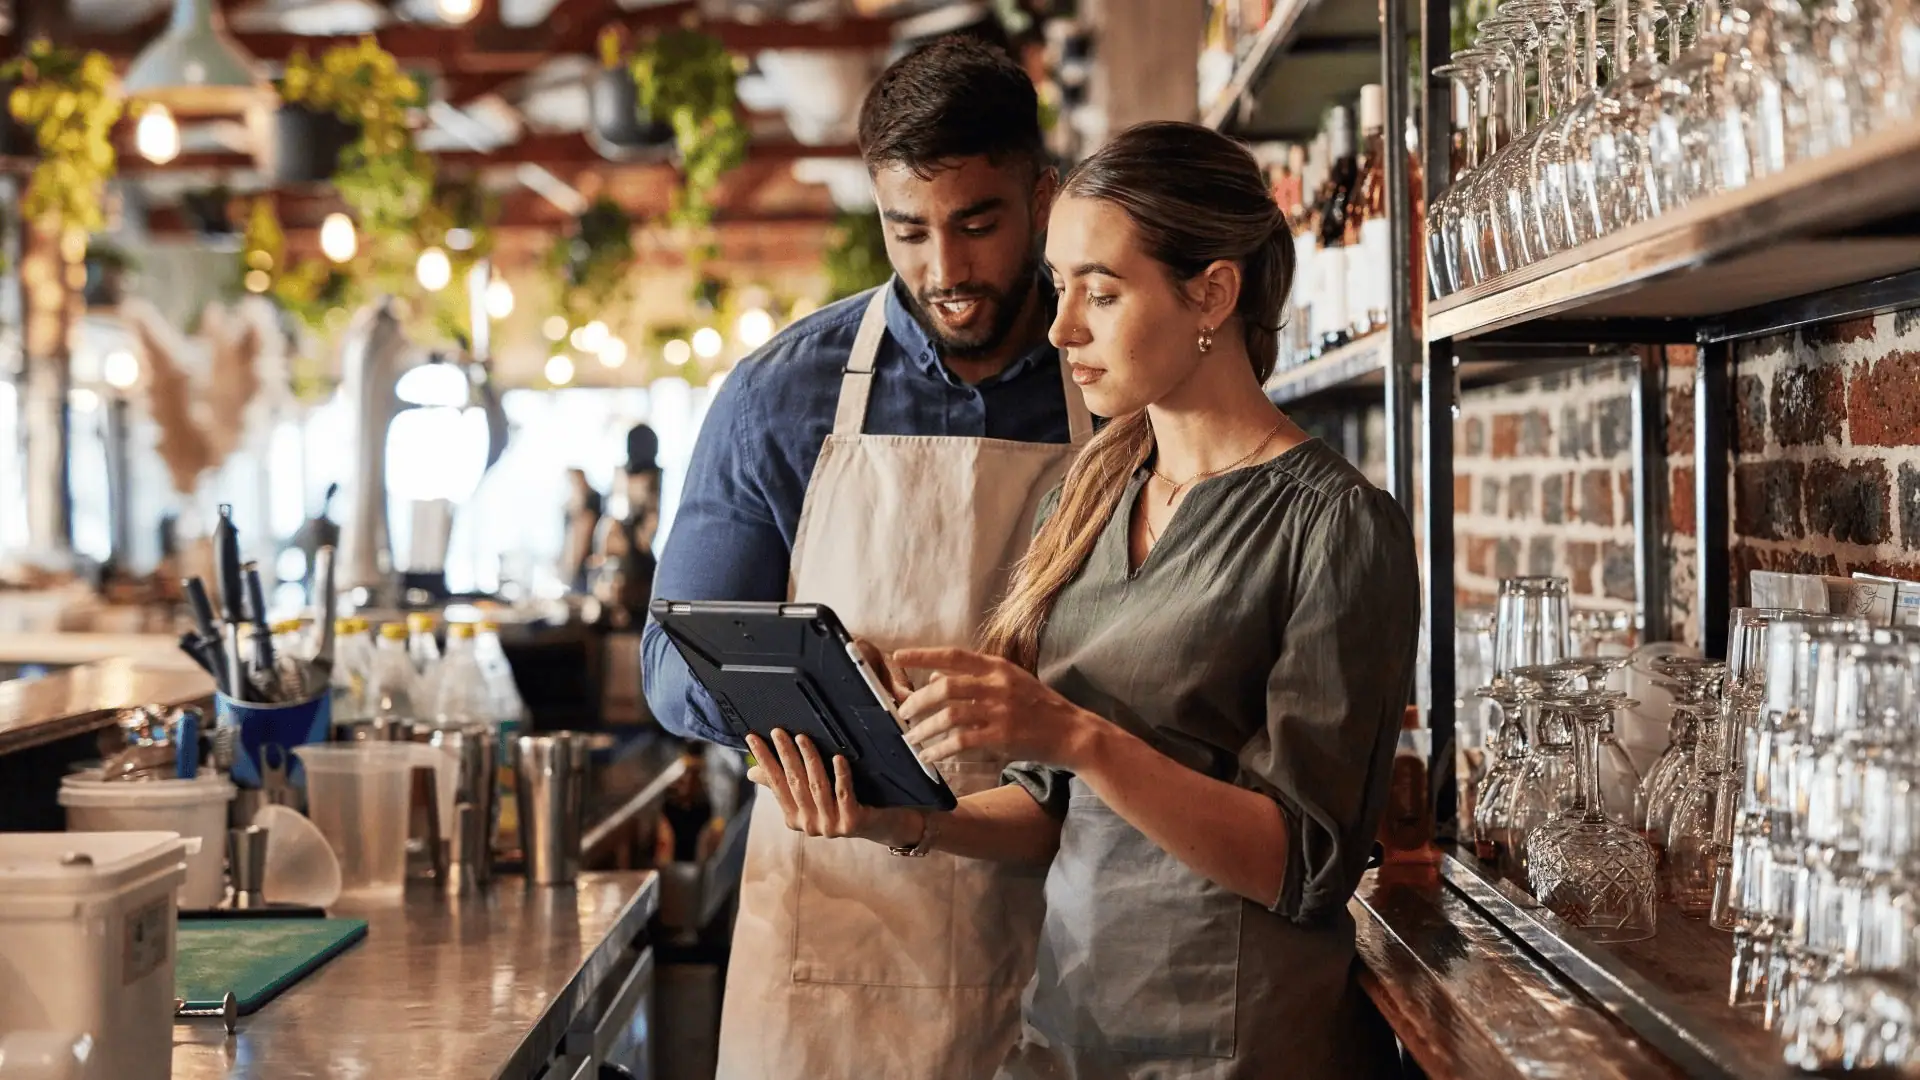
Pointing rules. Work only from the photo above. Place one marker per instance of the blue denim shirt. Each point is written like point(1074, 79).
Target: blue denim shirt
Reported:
point(733, 533)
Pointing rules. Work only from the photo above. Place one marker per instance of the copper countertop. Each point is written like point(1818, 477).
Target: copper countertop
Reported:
point(471, 987)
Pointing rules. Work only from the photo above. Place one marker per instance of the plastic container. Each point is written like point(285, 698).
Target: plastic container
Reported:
point(358, 796)
point(301, 867)
point(87, 943)
point(196, 809)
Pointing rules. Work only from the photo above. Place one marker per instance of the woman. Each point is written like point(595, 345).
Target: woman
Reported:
point(1203, 659)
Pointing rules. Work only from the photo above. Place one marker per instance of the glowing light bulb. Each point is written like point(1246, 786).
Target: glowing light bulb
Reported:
point(157, 137)
point(754, 328)
point(676, 352)
point(555, 328)
point(337, 239)
point(707, 342)
point(499, 299)
point(613, 353)
point(434, 270)
point(559, 370)
point(257, 281)
point(456, 11)
point(593, 335)
point(120, 369)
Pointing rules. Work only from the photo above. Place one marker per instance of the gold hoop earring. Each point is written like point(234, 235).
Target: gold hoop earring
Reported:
point(1206, 339)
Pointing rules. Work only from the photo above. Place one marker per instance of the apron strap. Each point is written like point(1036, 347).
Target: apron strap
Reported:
point(857, 383)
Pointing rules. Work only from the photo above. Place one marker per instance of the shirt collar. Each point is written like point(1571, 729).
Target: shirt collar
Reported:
point(912, 339)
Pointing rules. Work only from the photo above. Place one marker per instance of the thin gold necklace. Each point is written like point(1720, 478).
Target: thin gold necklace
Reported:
point(1197, 477)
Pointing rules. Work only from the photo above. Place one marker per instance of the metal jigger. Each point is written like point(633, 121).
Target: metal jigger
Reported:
point(247, 862)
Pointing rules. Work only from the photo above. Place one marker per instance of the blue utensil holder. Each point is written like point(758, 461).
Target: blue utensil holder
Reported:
point(264, 727)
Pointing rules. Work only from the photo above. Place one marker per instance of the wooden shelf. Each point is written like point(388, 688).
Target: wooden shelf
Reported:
point(1357, 363)
point(1838, 220)
point(1266, 45)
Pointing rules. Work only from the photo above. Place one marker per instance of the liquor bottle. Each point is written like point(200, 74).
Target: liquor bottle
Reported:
point(1216, 54)
point(1330, 304)
point(1366, 234)
point(1302, 328)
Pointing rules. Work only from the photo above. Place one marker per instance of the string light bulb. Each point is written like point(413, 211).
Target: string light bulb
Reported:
point(676, 352)
point(707, 342)
point(157, 137)
point(559, 369)
point(337, 239)
point(456, 11)
point(755, 327)
point(434, 270)
point(499, 299)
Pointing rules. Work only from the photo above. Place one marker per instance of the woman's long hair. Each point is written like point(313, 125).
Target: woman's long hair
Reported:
point(1194, 197)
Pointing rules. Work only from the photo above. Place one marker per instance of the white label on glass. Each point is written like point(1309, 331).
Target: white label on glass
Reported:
point(1375, 245)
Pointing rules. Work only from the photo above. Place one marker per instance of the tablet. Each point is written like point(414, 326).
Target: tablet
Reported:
point(794, 667)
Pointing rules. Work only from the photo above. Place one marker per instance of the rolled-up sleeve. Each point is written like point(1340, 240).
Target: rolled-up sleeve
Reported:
point(1336, 696)
point(725, 545)
point(1048, 785)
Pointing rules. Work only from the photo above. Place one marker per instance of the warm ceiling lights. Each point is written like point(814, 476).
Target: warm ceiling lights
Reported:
point(613, 353)
point(433, 270)
point(456, 11)
point(120, 369)
point(337, 241)
point(754, 328)
point(676, 352)
point(157, 137)
point(559, 370)
point(499, 299)
point(555, 328)
point(707, 342)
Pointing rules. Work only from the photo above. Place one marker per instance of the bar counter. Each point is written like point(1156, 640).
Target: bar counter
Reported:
point(492, 984)
point(81, 699)
point(1479, 981)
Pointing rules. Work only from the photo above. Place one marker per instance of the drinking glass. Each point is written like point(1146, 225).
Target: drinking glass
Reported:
point(1590, 871)
point(1507, 745)
point(1454, 264)
point(1530, 623)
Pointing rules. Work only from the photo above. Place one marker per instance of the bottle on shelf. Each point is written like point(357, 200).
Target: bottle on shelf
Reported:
point(1366, 232)
point(461, 697)
point(1332, 322)
point(393, 689)
point(1302, 335)
point(424, 651)
point(1216, 53)
point(352, 670)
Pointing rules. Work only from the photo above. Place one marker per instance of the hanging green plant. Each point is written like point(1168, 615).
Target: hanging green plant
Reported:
point(309, 289)
point(71, 101)
point(459, 221)
point(589, 266)
point(385, 180)
point(688, 78)
point(856, 257)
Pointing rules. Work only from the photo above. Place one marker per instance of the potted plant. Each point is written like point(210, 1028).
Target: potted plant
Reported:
point(107, 265)
point(688, 78)
point(589, 266)
point(307, 143)
point(620, 129)
point(379, 172)
point(68, 100)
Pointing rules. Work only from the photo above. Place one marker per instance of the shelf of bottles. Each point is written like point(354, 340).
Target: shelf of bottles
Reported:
point(1336, 201)
point(1673, 160)
point(1241, 36)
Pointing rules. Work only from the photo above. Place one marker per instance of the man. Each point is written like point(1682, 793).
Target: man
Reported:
point(884, 457)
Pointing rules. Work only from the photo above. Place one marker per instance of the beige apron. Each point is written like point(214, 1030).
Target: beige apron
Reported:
point(849, 961)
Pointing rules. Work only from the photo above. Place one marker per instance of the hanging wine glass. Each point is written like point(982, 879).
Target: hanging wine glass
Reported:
point(1594, 873)
point(1454, 264)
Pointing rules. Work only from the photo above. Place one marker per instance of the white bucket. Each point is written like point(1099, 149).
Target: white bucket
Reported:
point(87, 946)
point(193, 808)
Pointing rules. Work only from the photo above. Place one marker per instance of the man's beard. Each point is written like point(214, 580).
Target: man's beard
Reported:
point(1007, 306)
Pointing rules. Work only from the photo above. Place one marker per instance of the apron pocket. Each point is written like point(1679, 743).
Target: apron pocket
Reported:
point(1139, 954)
point(866, 916)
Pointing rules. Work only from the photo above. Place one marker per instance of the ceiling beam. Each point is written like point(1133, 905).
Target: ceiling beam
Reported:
point(168, 221)
point(481, 48)
point(564, 150)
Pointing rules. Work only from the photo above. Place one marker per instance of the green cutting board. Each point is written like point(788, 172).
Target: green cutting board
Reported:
point(254, 958)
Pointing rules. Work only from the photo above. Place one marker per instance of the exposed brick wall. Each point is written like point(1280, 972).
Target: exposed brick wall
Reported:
point(1825, 429)
point(1826, 476)
point(1543, 484)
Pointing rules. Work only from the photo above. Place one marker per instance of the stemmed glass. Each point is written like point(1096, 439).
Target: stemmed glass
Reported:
point(1453, 246)
point(1493, 801)
point(1585, 868)
point(1529, 27)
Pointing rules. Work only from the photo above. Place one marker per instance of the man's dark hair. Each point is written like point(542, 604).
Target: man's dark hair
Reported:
point(953, 97)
